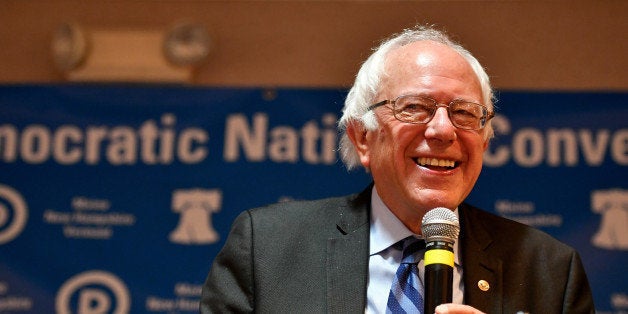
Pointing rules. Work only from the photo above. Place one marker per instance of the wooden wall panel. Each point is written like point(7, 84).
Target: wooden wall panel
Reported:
point(537, 45)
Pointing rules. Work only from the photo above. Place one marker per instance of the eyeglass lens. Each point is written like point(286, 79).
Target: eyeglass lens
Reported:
point(416, 109)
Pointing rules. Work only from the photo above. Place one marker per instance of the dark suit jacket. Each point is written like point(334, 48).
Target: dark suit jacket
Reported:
point(312, 257)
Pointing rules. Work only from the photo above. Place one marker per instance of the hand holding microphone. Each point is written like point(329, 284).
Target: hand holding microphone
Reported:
point(456, 309)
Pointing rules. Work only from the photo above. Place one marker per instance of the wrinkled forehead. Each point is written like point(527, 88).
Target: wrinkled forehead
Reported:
point(423, 57)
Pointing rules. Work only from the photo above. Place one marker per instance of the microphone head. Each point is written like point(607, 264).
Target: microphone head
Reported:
point(440, 224)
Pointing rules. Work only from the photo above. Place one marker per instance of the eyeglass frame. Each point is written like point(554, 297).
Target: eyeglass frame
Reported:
point(486, 117)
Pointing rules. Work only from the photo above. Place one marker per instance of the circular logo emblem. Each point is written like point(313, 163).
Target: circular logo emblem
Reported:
point(13, 214)
point(93, 292)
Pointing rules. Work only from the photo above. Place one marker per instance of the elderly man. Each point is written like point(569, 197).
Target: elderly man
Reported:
point(418, 119)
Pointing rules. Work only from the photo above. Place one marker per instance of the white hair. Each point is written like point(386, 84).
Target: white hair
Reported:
point(368, 79)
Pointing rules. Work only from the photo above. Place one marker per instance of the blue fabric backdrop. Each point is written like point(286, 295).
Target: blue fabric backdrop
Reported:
point(117, 198)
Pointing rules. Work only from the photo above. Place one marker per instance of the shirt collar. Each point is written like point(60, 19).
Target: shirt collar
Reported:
point(387, 229)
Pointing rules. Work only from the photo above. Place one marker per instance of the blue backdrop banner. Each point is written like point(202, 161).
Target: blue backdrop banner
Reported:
point(117, 198)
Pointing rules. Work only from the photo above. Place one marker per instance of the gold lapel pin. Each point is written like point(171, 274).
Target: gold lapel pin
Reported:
point(483, 285)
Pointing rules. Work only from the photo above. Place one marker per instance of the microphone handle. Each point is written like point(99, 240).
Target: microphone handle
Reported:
point(438, 276)
point(438, 286)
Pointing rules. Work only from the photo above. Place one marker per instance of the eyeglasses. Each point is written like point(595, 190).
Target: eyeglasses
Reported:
point(420, 110)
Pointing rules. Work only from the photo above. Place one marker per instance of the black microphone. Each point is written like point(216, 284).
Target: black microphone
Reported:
point(440, 228)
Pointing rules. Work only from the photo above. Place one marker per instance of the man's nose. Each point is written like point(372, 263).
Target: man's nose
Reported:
point(440, 127)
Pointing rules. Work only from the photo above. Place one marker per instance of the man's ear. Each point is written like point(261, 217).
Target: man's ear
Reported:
point(486, 143)
point(358, 136)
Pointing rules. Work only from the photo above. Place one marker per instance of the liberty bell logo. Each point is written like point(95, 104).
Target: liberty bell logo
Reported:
point(612, 204)
point(195, 207)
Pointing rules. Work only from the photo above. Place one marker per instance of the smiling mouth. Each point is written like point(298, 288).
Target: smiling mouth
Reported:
point(435, 163)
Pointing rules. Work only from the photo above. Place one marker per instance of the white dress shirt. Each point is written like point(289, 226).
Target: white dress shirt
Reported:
point(386, 230)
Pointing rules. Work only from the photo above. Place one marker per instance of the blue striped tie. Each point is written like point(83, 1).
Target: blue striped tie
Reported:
point(406, 292)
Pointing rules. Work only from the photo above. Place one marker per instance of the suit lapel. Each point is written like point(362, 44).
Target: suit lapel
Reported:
point(482, 270)
point(347, 260)
point(347, 257)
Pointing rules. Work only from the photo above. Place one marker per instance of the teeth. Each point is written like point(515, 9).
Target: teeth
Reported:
point(423, 161)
